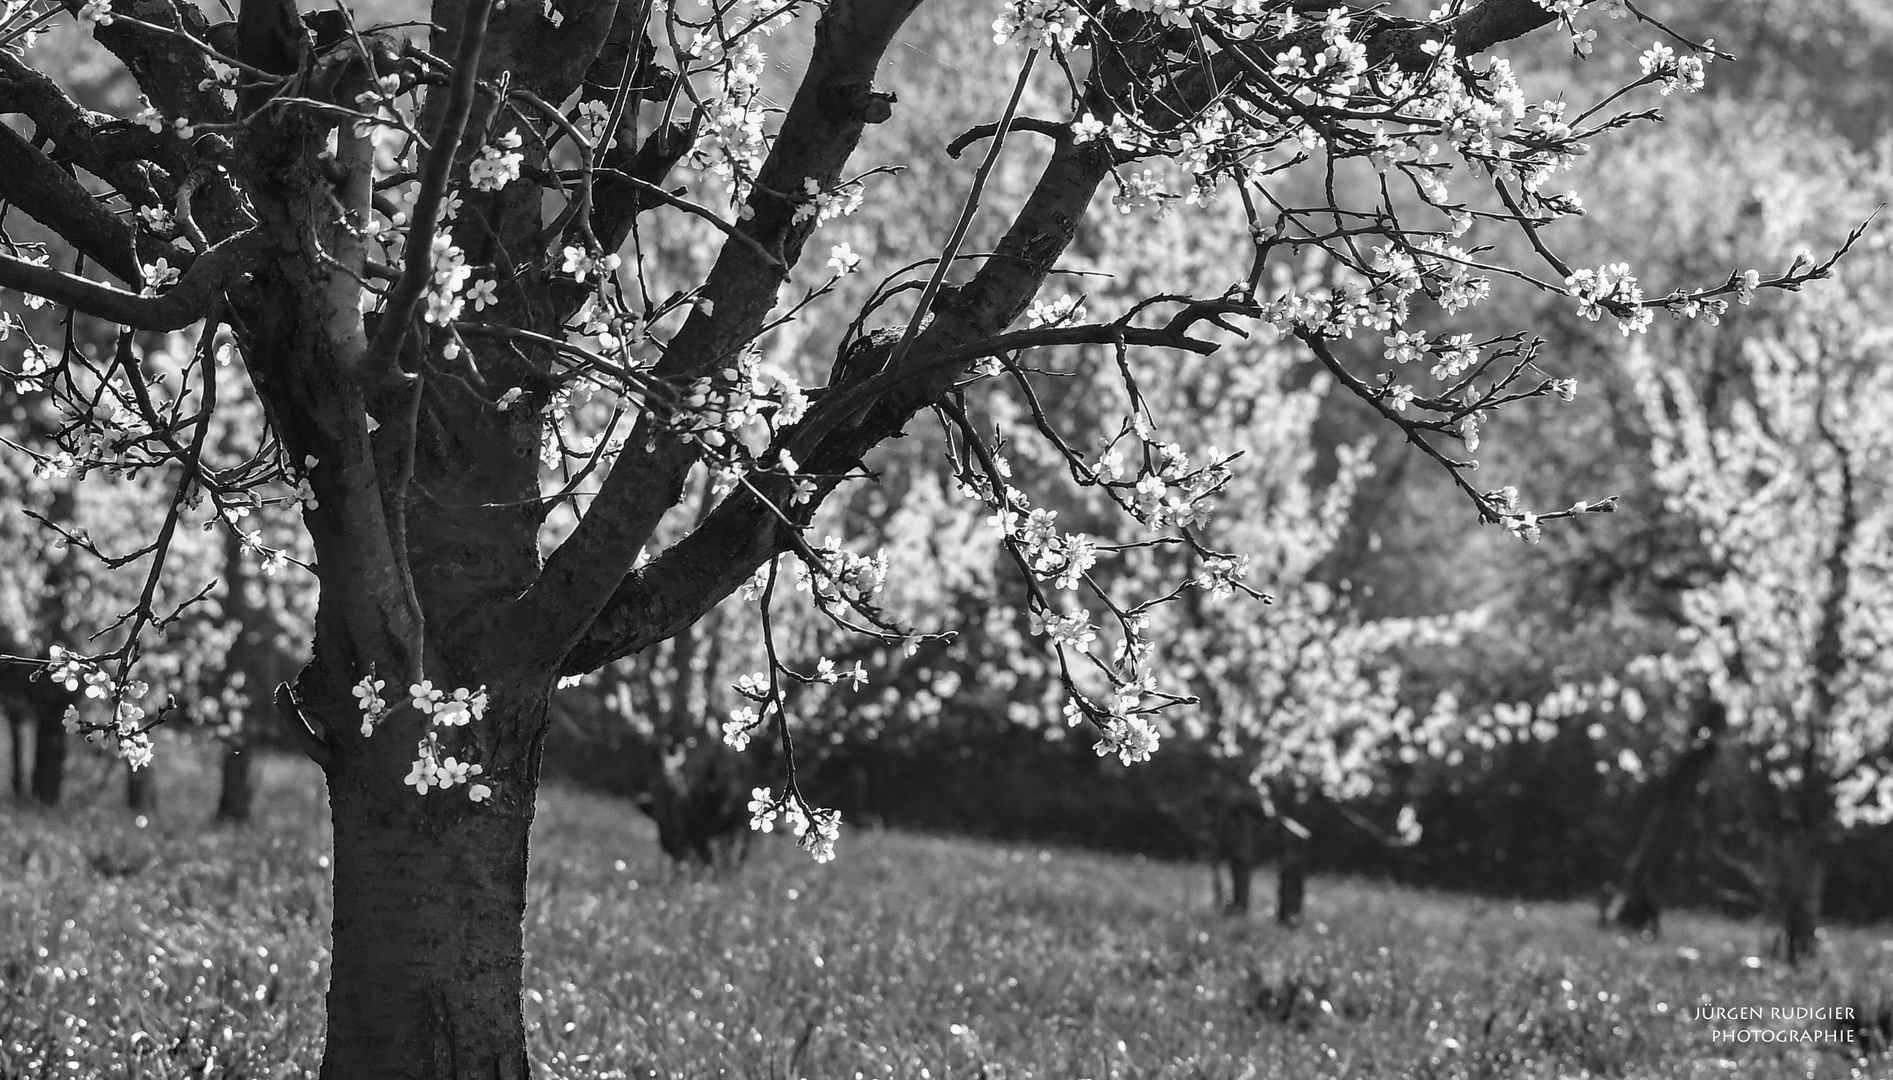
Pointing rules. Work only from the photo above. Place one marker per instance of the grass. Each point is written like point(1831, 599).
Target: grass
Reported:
point(179, 950)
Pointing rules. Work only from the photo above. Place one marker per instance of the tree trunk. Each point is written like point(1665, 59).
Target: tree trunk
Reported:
point(1651, 864)
point(427, 963)
point(49, 748)
point(48, 699)
point(1241, 874)
point(1800, 884)
point(141, 790)
point(252, 668)
point(1239, 827)
point(238, 792)
point(16, 760)
point(1291, 873)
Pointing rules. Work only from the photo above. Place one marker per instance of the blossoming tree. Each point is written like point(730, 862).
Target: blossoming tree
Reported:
point(1789, 640)
point(420, 250)
point(1728, 180)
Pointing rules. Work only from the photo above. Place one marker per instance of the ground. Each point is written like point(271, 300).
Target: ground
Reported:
point(173, 949)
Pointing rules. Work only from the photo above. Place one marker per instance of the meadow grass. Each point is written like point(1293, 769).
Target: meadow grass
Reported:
point(175, 949)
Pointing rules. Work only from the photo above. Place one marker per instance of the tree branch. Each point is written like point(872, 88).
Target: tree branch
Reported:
point(183, 304)
point(54, 198)
point(105, 146)
point(441, 154)
point(824, 124)
point(695, 573)
point(172, 78)
point(673, 590)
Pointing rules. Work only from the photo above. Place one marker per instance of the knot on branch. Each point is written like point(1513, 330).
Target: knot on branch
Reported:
point(858, 103)
point(863, 358)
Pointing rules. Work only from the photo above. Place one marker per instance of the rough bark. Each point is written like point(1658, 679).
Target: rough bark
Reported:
point(430, 897)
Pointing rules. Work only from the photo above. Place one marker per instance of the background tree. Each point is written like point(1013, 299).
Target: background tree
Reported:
point(1787, 488)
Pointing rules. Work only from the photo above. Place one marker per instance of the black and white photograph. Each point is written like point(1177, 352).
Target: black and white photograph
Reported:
point(946, 539)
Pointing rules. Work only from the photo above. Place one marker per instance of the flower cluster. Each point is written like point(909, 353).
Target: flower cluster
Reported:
point(843, 576)
point(1073, 630)
point(450, 276)
point(742, 725)
point(94, 13)
point(127, 728)
point(457, 708)
point(1051, 24)
point(368, 700)
point(816, 830)
point(581, 263)
point(842, 260)
point(1066, 309)
point(1672, 72)
point(1611, 289)
point(1221, 574)
point(827, 672)
point(1123, 727)
point(1173, 496)
point(157, 276)
point(498, 163)
point(431, 769)
point(733, 141)
point(594, 117)
point(826, 204)
point(1060, 558)
point(716, 408)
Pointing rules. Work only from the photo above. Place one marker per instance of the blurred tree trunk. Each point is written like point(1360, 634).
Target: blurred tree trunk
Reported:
point(1291, 884)
point(49, 743)
point(1801, 878)
point(1240, 843)
point(50, 701)
point(253, 662)
point(1241, 875)
point(16, 757)
point(237, 797)
point(1650, 869)
point(141, 790)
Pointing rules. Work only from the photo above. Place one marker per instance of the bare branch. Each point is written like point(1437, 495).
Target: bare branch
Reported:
point(924, 306)
point(56, 199)
point(97, 142)
point(183, 304)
